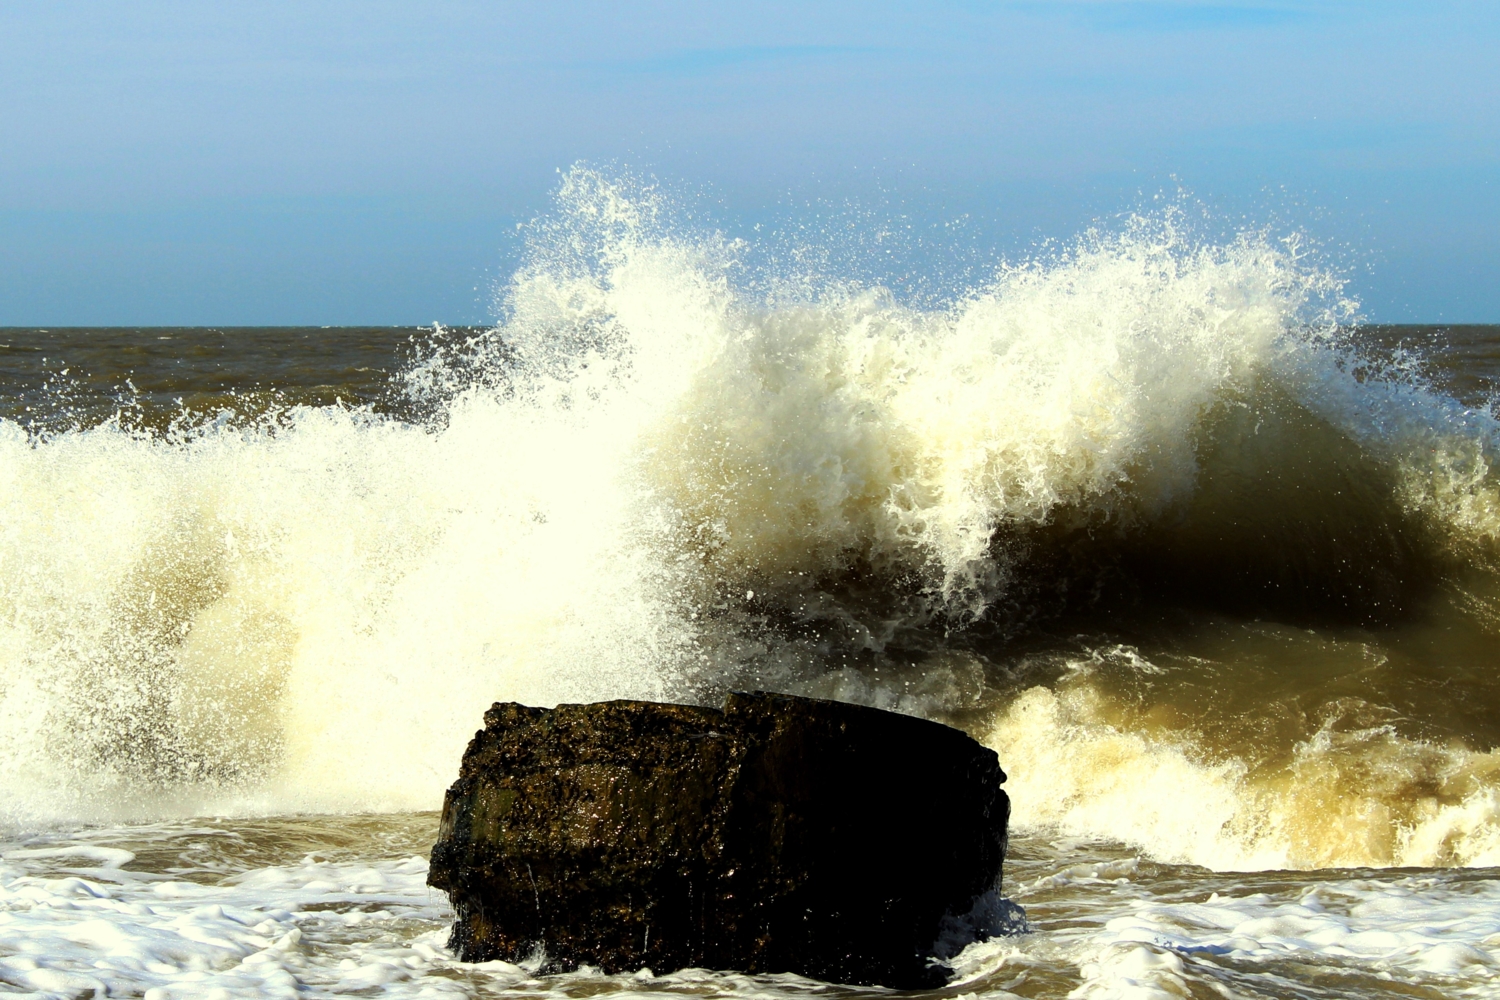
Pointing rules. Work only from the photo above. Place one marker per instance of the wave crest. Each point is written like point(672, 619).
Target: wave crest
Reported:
point(663, 474)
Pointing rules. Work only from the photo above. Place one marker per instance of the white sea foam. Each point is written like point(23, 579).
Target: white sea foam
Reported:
point(1127, 940)
point(79, 915)
point(270, 932)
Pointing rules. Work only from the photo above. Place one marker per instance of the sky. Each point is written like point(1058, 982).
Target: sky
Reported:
point(309, 162)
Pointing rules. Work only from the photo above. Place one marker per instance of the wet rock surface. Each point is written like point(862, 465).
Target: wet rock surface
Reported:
point(781, 834)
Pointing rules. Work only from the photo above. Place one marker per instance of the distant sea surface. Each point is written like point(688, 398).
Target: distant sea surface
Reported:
point(1215, 571)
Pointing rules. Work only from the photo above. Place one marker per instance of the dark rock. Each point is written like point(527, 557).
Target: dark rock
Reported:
point(780, 835)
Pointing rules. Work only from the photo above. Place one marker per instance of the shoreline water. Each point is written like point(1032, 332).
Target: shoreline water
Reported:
point(326, 905)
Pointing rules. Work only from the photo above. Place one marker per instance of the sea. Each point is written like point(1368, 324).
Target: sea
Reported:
point(1212, 563)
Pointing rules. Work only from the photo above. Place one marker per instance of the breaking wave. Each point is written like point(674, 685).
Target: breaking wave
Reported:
point(1143, 514)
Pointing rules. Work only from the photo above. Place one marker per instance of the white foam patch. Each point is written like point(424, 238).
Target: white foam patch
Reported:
point(273, 932)
point(1431, 932)
point(78, 916)
point(315, 928)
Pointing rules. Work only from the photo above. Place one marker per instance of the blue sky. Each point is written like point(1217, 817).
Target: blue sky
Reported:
point(366, 162)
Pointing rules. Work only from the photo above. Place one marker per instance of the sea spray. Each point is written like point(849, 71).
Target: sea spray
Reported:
point(662, 476)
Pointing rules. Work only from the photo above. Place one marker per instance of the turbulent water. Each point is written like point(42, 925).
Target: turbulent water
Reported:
point(1213, 567)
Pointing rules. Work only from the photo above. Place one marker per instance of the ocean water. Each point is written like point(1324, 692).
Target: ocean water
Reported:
point(1212, 565)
